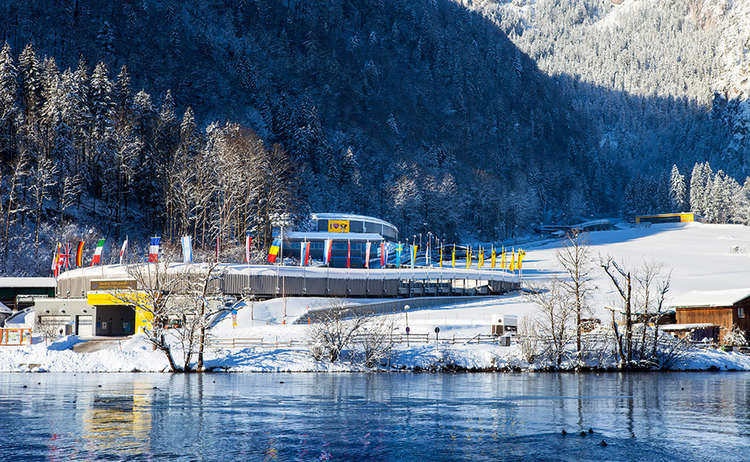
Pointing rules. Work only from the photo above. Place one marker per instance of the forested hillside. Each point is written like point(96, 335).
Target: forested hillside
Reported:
point(472, 121)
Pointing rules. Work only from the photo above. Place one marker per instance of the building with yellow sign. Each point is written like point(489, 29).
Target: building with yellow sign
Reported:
point(349, 235)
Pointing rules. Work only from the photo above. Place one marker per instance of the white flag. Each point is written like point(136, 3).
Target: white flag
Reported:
point(187, 250)
point(367, 254)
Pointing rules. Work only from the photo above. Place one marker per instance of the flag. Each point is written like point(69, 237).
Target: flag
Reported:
point(153, 250)
point(348, 253)
point(512, 259)
point(367, 254)
point(399, 249)
point(327, 251)
point(187, 250)
point(481, 257)
point(382, 254)
point(427, 259)
point(302, 252)
point(273, 252)
point(98, 253)
point(413, 255)
point(56, 261)
point(493, 257)
point(248, 242)
point(55, 257)
point(441, 256)
point(468, 257)
point(453, 257)
point(502, 259)
point(307, 253)
point(79, 254)
point(521, 254)
point(65, 256)
point(123, 250)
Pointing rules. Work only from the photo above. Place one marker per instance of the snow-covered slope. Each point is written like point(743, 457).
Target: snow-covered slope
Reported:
point(700, 256)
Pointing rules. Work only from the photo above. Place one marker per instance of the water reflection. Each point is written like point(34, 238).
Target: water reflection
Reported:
point(119, 420)
point(648, 417)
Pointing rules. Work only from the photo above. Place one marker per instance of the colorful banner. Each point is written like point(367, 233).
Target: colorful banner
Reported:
point(307, 254)
point(367, 254)
point(338, 226)
point(399, 249)
point(273, 252)
point(187, 250)
point(382, 254)
point(413, 255)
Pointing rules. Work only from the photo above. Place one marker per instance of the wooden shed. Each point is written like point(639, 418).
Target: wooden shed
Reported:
point(724, 308)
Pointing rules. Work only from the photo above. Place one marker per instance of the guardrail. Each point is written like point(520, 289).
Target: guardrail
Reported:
point(15, 337)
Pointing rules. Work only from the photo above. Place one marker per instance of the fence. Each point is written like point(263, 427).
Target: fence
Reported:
point(396, 339)
point(15, 337)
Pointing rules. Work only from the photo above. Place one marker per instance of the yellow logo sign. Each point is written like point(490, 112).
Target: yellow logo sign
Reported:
point(338, 226)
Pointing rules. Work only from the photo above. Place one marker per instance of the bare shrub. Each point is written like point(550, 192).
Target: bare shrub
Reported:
point(376, 340)
point(334, 332)
point(528, 338)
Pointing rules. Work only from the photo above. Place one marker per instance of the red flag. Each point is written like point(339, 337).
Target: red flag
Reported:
point(367, 255)
point(348, 253)
point(307, 254)
point(382, 254)
point(248, 241)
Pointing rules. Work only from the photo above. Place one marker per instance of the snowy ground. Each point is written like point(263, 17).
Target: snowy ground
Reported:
point(701, 257)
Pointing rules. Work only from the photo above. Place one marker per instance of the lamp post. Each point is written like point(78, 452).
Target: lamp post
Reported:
point(406, 313)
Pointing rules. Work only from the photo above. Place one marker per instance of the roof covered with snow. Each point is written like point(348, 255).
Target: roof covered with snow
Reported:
point(704, 298)
point(27, 282)
point(678, 327)
point(349, 216)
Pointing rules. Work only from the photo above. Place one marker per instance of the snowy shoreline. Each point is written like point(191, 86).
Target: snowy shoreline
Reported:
point(136, 355)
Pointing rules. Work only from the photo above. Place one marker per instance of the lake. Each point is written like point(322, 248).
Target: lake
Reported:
point(409, 417)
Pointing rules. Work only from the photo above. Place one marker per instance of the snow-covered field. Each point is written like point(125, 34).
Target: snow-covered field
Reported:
point(701, 257)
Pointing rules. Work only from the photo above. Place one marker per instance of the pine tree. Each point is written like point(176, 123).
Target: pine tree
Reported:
point(8, 100)
point(101, 101)
point(677, 193)
point(31, 88)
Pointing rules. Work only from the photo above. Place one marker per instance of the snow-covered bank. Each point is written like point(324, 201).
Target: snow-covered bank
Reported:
point(135, 355)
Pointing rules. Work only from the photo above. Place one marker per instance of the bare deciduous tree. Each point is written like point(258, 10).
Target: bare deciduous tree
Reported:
point(622, 281)
point(554, 326)
point(575, 260)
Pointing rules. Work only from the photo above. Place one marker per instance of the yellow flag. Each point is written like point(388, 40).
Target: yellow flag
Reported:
point(502, 259)
point(492, 262)
point(481, 257)
point(453, 258)
point(513, 260)
point(468, 258)
point(521, 254)
point(441, 256)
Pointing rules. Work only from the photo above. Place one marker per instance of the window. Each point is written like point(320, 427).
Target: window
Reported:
point(740, 312)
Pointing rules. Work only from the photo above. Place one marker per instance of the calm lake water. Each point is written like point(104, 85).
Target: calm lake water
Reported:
point(419, 417)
